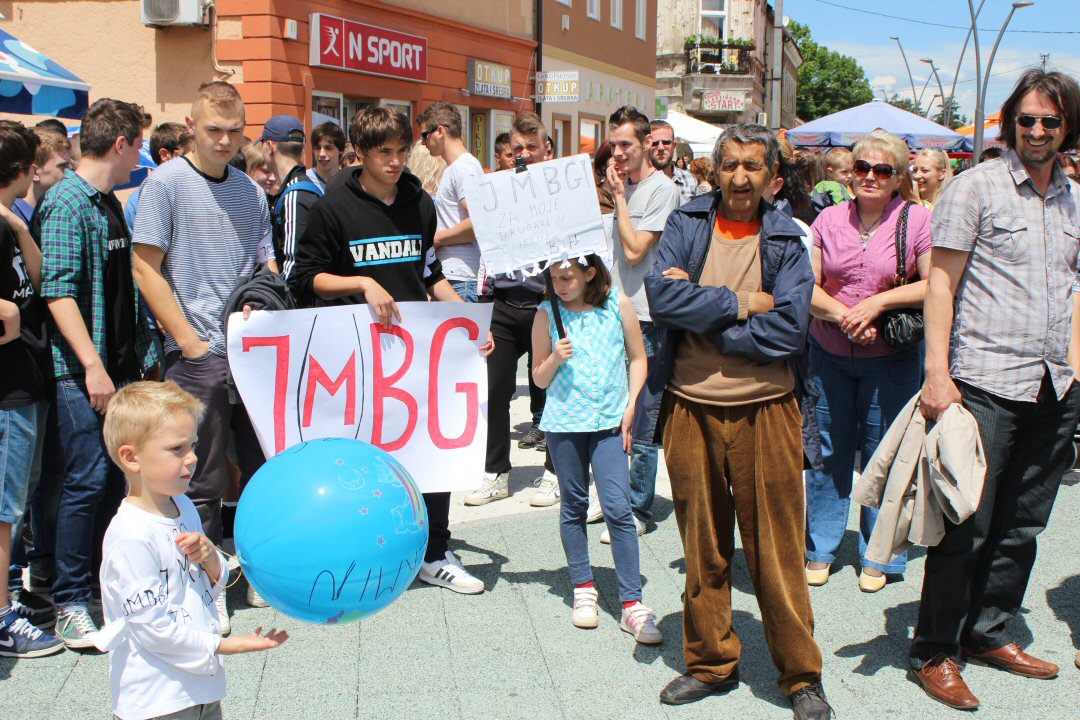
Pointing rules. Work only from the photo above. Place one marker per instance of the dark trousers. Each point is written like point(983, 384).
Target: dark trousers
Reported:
point(975, 579)
point(205, 379)
point(438, 512)
point(744, 463)
point(511, 326)
point(92, 490)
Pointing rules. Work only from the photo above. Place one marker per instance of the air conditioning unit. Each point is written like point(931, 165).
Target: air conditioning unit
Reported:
point(164, 13)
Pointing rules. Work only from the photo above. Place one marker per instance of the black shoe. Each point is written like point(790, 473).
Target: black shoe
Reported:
point(810, 703)
point(534, 436)
point(687, 688)
point(542, 445)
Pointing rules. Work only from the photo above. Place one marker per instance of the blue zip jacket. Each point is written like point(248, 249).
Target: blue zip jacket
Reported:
point(678, 305)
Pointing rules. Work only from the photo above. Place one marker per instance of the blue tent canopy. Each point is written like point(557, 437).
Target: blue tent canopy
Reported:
point(844, 128)
point(32, 84)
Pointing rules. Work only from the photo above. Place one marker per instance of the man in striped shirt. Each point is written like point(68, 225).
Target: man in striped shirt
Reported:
point(202, 224)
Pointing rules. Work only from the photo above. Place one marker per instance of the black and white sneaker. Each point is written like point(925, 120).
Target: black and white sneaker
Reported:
point(531, 438)
point(450, 574)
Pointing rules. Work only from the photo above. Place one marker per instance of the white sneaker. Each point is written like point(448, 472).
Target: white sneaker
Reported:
point(76, 628)
point(595, 513)
point(605, 537)
point(254, 599)
point(450, 574)
point(223, 615)
point(496, 487)
point(548, 490)
point(585, 614)
point(640, 622)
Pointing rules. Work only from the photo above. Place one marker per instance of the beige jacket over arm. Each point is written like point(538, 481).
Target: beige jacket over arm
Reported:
point(918, 477)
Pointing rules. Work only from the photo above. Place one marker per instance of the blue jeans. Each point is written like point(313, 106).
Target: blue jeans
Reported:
point(466, 289)
point(18, 439)
point(571, 454)
point(860, 397)
point(645, 456)
point(92, 491)
point(42, 497)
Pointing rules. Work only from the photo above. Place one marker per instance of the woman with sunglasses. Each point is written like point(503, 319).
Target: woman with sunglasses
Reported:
point(931, 171)
point(864, 383)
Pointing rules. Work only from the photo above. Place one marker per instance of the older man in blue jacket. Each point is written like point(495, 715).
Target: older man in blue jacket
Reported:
point(732, 285)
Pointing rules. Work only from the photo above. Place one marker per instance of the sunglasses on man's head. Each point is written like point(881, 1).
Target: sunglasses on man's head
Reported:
point(882, 171)
point(1050, 122)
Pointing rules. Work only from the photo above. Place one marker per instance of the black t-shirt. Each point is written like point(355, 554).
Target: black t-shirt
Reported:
point(24, 362)
point(122, 361)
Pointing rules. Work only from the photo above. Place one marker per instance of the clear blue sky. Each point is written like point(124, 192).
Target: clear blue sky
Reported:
point(865, 37)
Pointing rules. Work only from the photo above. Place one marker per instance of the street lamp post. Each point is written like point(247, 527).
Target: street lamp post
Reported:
point(941, 91)
point(980, 87)
point(960, 62)
point(914, 96)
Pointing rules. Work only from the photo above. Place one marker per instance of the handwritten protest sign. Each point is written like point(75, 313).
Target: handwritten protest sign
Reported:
point(549, 211)
point(417, 390)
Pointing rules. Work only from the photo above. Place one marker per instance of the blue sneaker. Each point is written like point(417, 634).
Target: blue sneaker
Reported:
point(36, 609)
point(20, 639)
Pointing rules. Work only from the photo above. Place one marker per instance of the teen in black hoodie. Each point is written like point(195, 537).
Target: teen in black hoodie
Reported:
point(372, 240)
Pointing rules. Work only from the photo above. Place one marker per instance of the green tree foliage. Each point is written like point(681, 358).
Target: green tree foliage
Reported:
point(828, 81)
point(903, 103)
point(956, 118)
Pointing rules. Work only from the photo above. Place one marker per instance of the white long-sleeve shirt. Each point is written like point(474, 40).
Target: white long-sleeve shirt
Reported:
point(162, 629)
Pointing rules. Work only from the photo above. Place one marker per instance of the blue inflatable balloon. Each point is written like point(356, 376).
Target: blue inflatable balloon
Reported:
point(331, 531)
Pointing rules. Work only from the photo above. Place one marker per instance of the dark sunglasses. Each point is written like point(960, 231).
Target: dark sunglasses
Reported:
point(1050, 122)
point(882, 171)
point(424, 134)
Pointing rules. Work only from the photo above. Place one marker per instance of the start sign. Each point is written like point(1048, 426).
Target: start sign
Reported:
point(347, 45)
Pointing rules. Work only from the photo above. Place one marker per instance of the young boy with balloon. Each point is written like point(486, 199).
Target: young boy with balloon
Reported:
point(582, 336)
point(160, 575)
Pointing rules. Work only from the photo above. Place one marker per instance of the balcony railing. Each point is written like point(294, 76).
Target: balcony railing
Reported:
point(719, 58)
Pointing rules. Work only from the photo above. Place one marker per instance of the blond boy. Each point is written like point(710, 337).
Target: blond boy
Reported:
point(160, 575)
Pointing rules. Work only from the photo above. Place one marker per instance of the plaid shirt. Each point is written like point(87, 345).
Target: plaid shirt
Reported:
point(1013, 310)
point(73, 231)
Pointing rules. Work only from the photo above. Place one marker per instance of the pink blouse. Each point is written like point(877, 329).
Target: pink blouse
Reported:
point(851, 273)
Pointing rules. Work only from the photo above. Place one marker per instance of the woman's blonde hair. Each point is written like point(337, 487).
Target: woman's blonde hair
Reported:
point(885, 142)
point(255, 156)
point(426, 167)
point(941, 159)
point(140, 411)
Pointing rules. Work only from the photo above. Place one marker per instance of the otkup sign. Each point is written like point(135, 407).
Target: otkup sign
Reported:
point(417, 390)
point(356, 47)
point(557, 86)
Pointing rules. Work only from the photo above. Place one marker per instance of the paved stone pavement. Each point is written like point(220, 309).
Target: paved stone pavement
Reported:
point(512, 652)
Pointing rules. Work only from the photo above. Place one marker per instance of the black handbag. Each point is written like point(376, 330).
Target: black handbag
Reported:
point(902, 328)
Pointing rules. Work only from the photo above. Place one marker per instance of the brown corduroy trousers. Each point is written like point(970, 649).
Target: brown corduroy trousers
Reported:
point(742, 462)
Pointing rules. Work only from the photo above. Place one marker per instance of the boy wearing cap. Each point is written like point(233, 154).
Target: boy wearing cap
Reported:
point(202, 224)
point(283, 140)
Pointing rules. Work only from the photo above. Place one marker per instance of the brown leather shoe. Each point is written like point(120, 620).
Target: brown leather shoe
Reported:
point(1012, 659)
point(940, 678)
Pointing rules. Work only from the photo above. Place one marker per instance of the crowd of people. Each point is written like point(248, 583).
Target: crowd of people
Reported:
point(760, 317)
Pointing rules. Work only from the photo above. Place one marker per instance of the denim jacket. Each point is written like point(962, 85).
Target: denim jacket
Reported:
point(678, 305)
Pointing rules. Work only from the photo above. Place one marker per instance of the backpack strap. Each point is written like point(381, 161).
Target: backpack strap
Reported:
point(305, 185)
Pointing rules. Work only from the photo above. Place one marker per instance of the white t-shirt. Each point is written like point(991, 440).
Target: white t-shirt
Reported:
point(161, 626)
point(649, 203)
point(459, 262)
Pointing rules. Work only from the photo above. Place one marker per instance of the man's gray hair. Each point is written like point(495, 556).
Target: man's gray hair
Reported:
point(746, 134)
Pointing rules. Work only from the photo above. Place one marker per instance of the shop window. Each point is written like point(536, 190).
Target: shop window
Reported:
point(713, 18)
point(616, 14)
point(403, 107)
point(590, 134)
point(326, 107)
